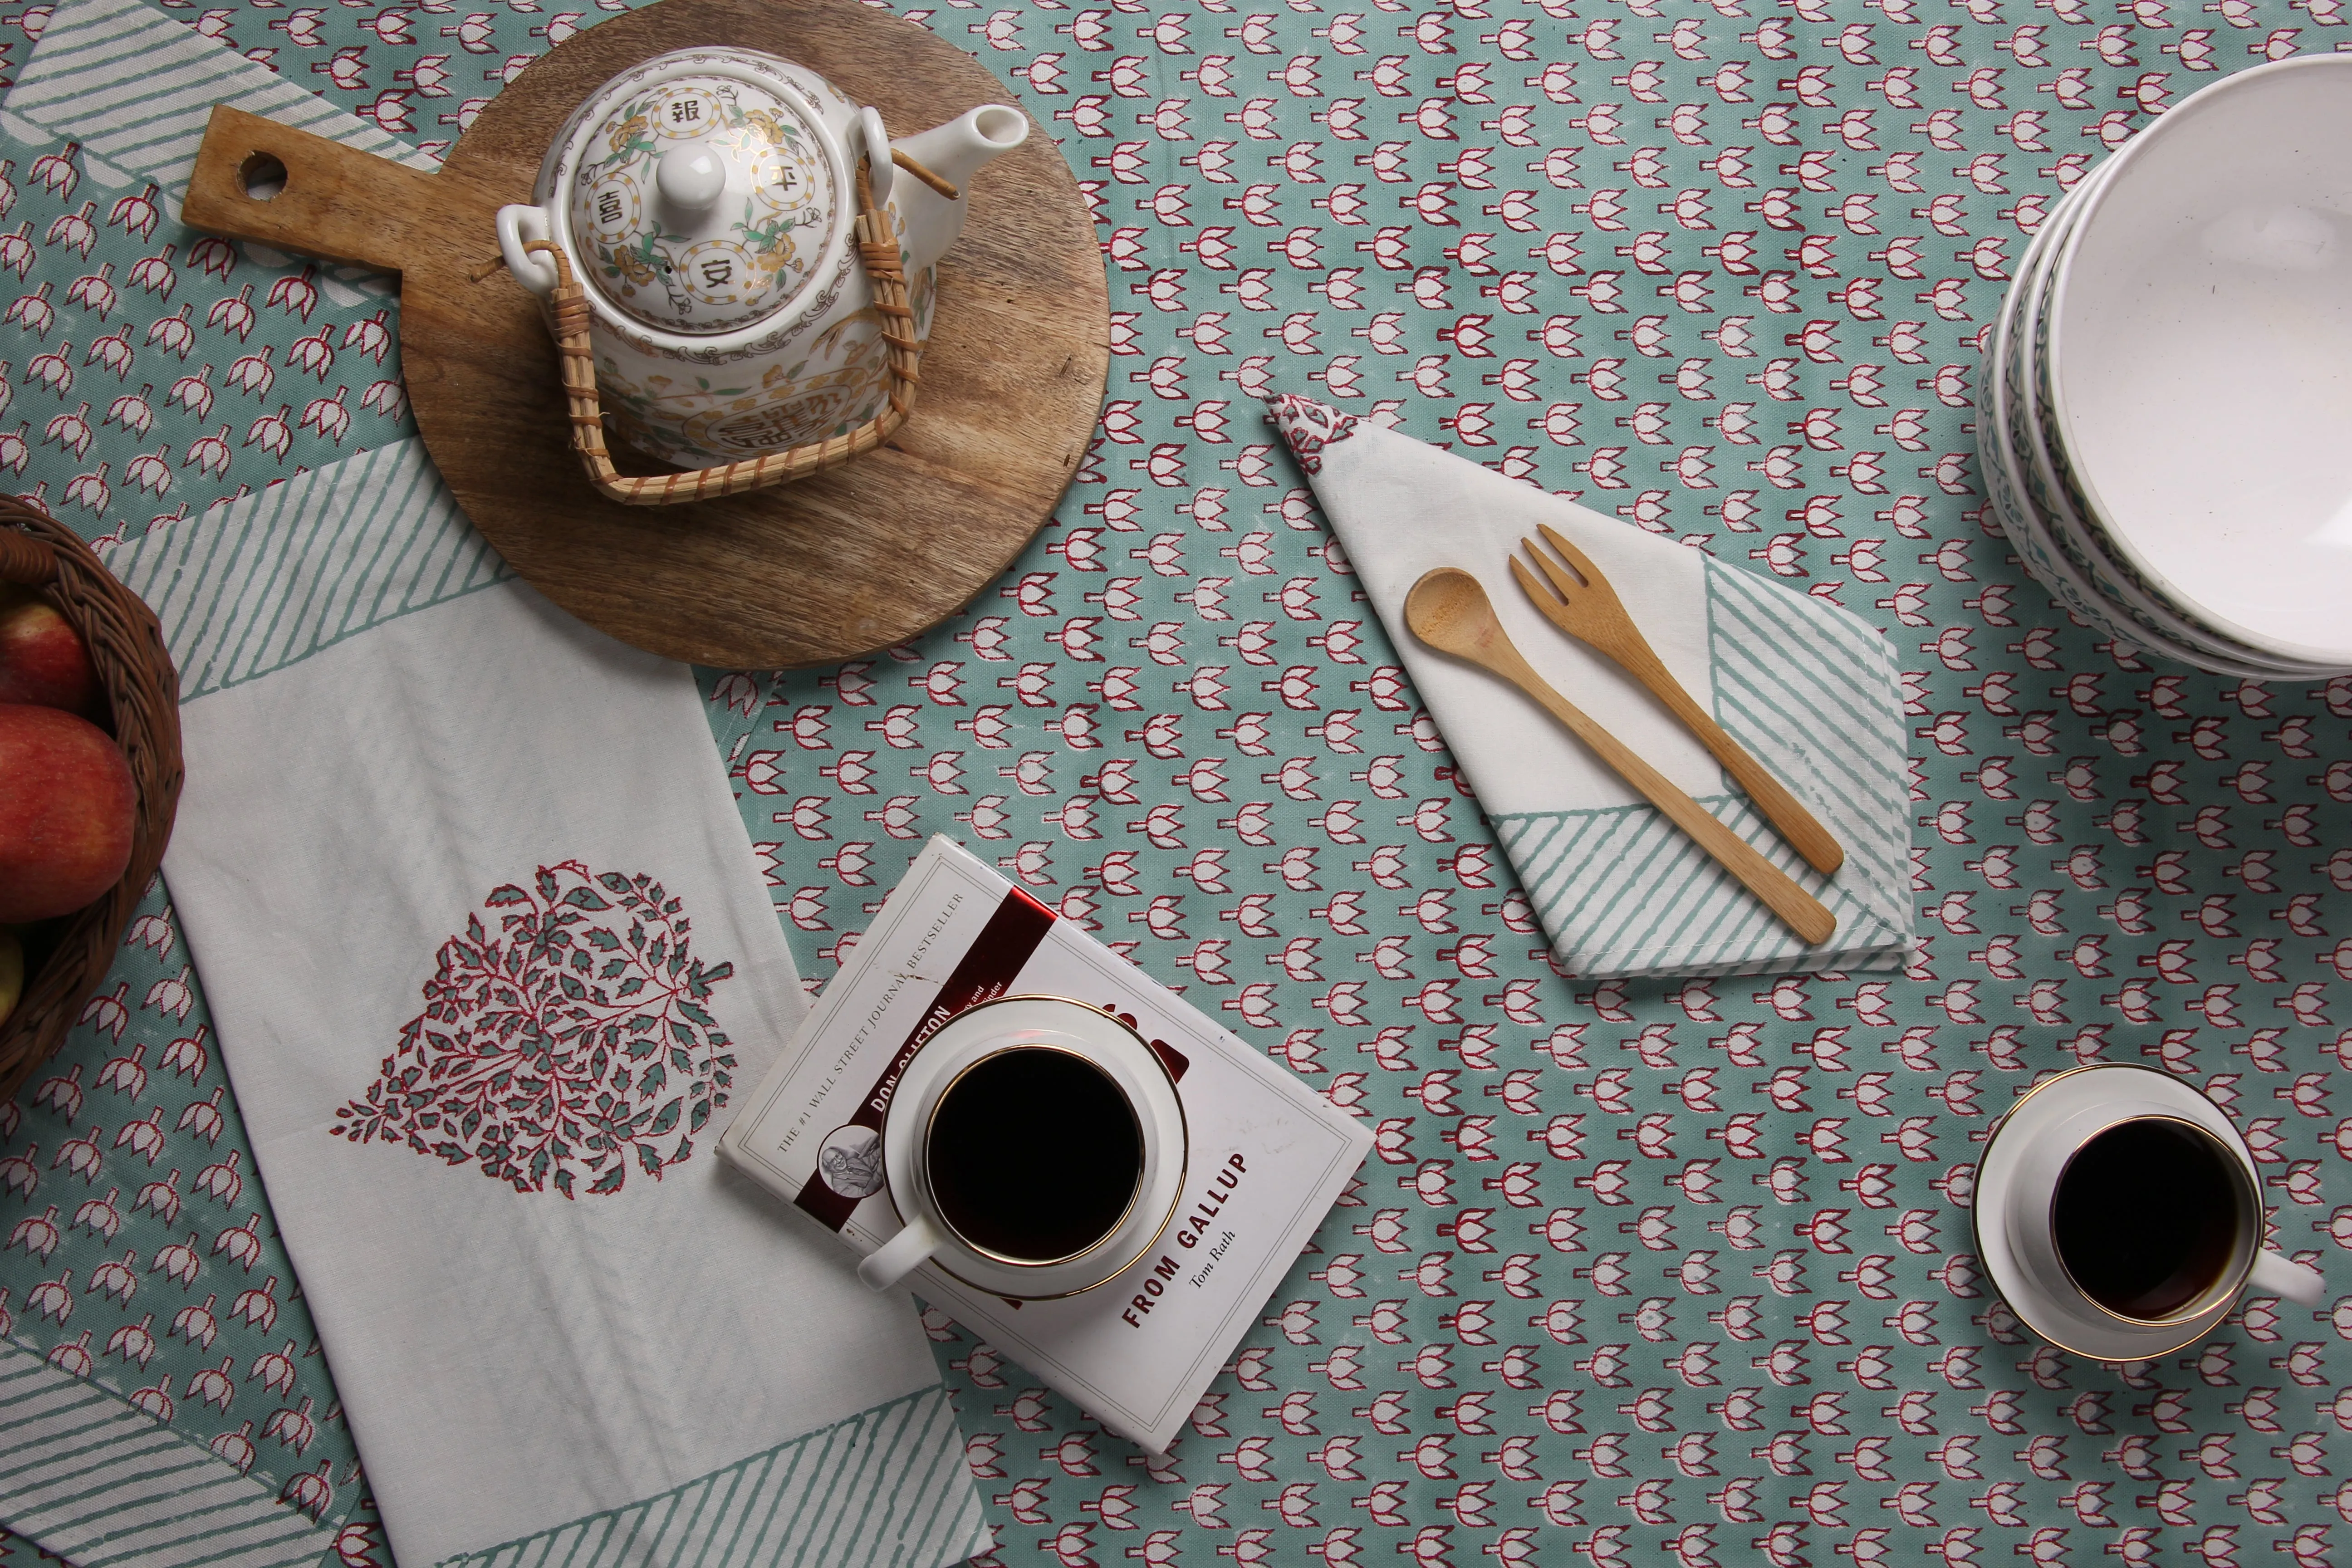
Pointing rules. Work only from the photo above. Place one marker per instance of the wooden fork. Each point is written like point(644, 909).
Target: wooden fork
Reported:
point(1577, 599)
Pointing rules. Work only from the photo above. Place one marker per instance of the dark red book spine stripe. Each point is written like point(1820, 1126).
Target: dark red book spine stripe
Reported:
point(986, 972)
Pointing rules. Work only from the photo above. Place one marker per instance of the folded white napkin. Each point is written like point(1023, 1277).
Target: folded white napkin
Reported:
point(1811, 690)
point(486, 948)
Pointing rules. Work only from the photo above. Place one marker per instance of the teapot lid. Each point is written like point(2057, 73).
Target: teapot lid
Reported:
point(701, 202)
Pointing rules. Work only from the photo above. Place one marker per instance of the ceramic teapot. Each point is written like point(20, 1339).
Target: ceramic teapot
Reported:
point(739, 265)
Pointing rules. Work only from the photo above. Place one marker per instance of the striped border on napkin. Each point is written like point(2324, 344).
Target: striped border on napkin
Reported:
point(136, 88)
point(1622, 888)
point(334, 552)
point(886, 1485)
point(97, 1480)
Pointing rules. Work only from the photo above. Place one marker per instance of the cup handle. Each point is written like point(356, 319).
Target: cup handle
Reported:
point(897, 1258)
point(2274, 1274)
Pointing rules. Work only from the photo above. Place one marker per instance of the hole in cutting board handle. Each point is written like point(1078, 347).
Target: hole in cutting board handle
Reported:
point(261, 175)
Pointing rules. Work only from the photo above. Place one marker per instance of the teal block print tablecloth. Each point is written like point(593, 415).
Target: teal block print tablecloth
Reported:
point(1640, 1269)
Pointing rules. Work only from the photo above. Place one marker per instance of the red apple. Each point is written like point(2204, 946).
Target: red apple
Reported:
point(66, 804)
point(42, 660)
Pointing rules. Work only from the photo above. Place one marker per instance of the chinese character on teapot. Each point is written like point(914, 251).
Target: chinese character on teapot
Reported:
point(742, 262)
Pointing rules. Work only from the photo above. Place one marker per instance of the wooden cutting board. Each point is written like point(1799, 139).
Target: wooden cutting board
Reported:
point(850, 560)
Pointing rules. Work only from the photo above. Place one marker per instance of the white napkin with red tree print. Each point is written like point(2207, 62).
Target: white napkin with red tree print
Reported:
point(486, 948)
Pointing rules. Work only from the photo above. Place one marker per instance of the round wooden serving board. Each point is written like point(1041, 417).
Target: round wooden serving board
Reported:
point(847, 562)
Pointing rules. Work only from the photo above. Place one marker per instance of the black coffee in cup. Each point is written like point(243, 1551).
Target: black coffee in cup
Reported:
point(1034, 1155)
point(2146, 1216)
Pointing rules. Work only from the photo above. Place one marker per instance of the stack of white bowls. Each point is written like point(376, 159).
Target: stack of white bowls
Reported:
point(2164, 414)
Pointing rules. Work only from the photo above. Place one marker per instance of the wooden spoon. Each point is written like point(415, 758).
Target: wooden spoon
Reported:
point(1450, 611)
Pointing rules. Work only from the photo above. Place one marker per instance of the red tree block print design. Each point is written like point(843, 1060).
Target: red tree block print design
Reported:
point(575, 1043)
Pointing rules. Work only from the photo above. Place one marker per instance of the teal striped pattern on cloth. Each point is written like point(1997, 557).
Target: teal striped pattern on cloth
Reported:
point(135, 89)
point(268, 581)
point(1815, 697)
point(100, 1482)
point(886, 1485)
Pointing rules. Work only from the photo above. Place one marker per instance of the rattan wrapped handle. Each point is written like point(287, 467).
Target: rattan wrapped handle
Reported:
point(878, 248)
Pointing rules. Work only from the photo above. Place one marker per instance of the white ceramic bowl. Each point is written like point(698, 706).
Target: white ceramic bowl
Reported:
point(2005, 433)
point(1998, 437)
point(2199, 345)
point(2126, 602)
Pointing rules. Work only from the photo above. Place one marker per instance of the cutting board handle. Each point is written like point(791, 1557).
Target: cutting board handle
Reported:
point(338, 203)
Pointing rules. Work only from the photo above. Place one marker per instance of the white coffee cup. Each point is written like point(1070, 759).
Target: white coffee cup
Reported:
point(986, 1037)
point(2046, 1153)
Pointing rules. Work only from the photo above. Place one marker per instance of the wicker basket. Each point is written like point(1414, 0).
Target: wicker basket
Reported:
point(66, 959)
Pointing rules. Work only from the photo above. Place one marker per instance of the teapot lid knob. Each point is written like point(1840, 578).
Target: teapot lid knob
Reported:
point(690, 179)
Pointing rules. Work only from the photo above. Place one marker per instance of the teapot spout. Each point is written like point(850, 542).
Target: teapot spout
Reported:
point(954, 152)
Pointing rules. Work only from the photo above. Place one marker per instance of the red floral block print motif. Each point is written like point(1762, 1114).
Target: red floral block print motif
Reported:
point(1309, 427)
point(575, 1043)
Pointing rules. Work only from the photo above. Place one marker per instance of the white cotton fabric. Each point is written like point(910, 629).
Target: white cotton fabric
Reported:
point(509, 1362)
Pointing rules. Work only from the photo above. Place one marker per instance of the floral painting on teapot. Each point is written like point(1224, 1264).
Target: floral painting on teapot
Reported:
point(721, 262)
point(690, 413)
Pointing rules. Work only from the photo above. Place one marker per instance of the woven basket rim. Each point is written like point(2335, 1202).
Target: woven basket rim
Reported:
point(142, 696)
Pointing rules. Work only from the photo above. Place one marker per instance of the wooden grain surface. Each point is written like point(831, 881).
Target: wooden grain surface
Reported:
point(811, 573)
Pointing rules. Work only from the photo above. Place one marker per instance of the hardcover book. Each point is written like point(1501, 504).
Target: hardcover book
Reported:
point(1266, 1157)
